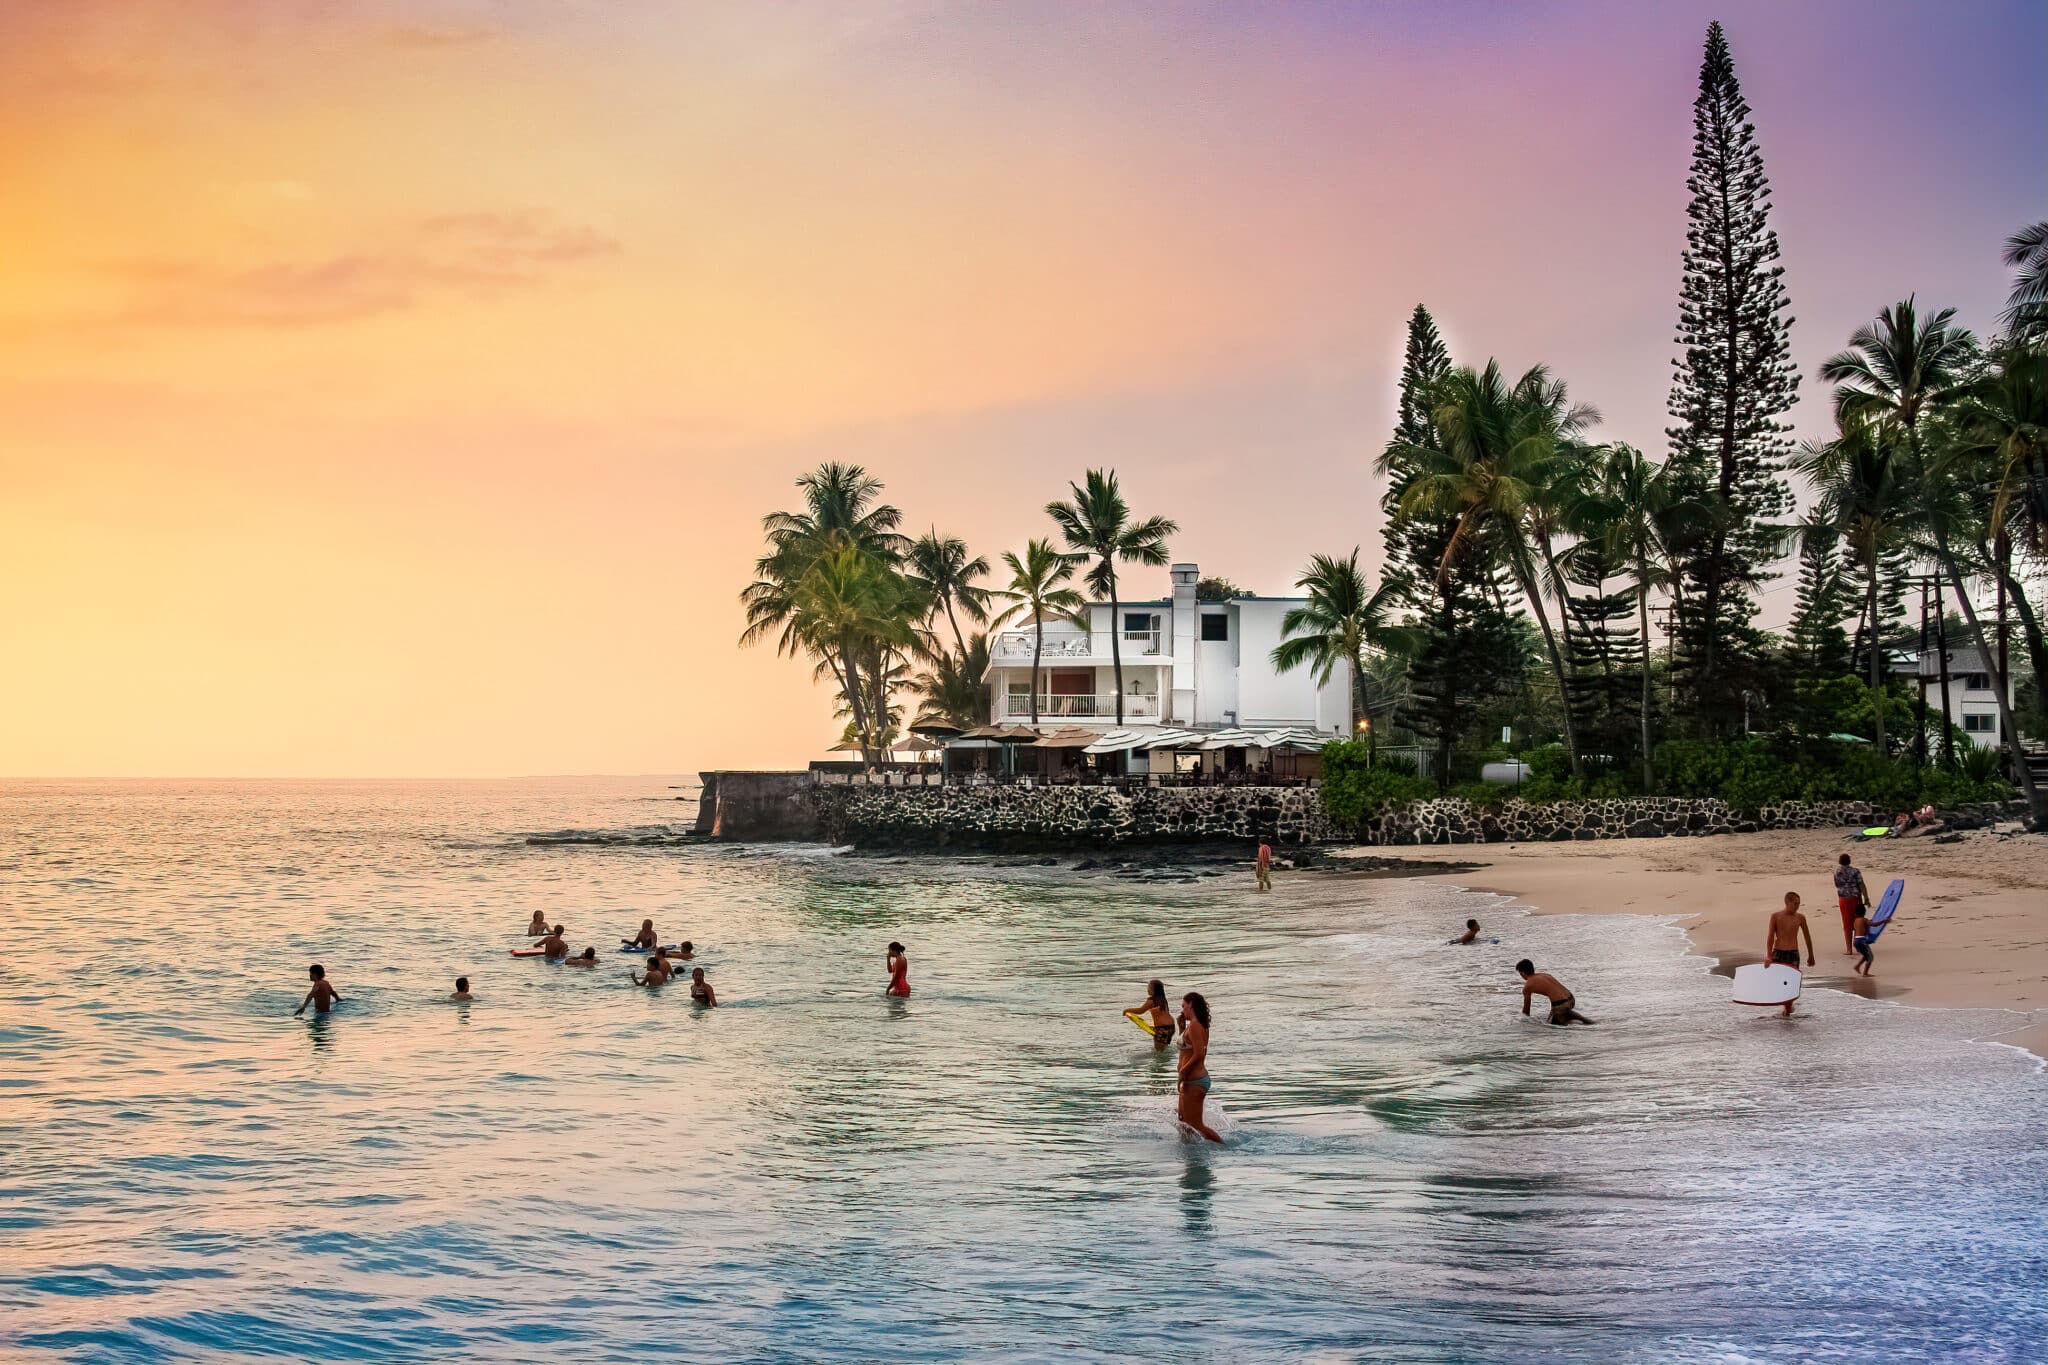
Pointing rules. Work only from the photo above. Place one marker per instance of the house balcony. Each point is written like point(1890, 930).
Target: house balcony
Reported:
point(1014, 646)
point(1068, 706)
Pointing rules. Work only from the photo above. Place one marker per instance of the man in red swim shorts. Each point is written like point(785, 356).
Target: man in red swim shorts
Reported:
point(1853, 897)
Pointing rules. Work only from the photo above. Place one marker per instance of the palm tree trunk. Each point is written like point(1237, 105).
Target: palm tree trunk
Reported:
point(2014, 754)
point(1948, 730)
point(1564, 696)
point(1643, 625)
point(959, 640)
point(849, 687)
point(1116, 653)
point(1876, 654)
point(1037, 649)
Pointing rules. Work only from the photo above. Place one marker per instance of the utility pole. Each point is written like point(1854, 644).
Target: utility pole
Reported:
point(1948, 737)
point(1920, 687)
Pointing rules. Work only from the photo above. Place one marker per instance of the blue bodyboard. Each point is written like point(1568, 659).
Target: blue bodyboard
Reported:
point(1887, 907)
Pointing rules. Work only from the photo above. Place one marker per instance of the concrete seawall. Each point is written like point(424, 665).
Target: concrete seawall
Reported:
point(761, 806)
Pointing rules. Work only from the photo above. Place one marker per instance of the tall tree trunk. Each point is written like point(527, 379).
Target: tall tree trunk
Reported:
point(2030, 624)
point(1948, 724)
point(959, 640)
point(1564, 695)
point(2014, 753)
point(849, 686)
point(1643, 625)
point(1876, 654)
point(1116, 651)
point(1037, 650)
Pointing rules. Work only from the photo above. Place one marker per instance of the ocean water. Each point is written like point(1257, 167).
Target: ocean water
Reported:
point(574, 1169)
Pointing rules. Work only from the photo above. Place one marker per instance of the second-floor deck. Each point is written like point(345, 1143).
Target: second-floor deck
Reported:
point(1015, 646)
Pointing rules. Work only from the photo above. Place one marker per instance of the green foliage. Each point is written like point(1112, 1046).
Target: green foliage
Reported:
point(1219, 590)
point(1752, 773)
point(1353, 789)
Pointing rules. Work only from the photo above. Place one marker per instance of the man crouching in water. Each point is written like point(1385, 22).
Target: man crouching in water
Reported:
point(1563, 1008)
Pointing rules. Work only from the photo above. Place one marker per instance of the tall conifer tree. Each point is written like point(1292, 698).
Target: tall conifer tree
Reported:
point(1735, 381)
point(1818, 645)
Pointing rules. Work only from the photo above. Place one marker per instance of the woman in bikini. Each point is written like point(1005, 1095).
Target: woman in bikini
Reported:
point(1155, 1014)
point(899, 970)
point(700, 989)
point(1194, 1063)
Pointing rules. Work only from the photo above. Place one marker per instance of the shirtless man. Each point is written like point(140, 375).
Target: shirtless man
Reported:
point(553, 946)
point(323, 997)
point(1471, 934)
point(1781, 940)
point(658, 972)
point(1563, 1007)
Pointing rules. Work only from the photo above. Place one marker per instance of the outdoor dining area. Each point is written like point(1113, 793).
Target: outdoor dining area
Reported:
point(1143, 755)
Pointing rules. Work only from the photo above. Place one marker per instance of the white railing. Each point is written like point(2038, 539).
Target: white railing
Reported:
point(1016, 644)
point(1066, 706)
point(1141, 641)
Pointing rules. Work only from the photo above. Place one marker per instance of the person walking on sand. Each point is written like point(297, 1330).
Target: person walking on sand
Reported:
point(1564, 1006)
point(899, 970)
point(1154, 1014)
point(1853, 897)
point(1265, 866)
point(1861, 942)
point(1193, 1072)
point(1781, 939)
point(323, 997)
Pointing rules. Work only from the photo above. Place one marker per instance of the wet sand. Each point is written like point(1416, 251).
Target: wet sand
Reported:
point(1971, 932)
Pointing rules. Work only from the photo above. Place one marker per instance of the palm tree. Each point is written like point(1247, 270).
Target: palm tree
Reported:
point(1626, 511)
point(1037, 589)
point(1097, 524)
point(1865, 497)
point(1342, 622)
point(954, 688)
point(1501, 446)
point(2026, 308)
point(853, 610)
point(941, 567)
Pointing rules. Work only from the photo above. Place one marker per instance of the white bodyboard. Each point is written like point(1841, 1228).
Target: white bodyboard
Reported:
point(1767, 983)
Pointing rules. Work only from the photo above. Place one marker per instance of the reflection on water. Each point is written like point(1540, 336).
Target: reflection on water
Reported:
point(574, 1168)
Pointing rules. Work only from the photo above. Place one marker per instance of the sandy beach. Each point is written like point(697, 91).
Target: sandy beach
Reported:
point(1969, 933)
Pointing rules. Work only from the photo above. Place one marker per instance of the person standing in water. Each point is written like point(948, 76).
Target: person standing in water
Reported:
point(1852, 897)
point(462, 990)
point(553, 946)
point(1563, 1004)
point(537, 927)
point(899, 970)
point(658, 972)
point(323, 997)
point(1265, 866)
point(1155, 1014)
point(1781, 939)
point(700, 989)
point(1193, 1076)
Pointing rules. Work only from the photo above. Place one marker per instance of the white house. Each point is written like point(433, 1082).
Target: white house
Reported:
point(1188, 664)
point(1972, 703)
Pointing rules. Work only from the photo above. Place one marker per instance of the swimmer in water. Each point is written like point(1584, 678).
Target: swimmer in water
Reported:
point(899, 970)
point(658, 973)
point(323, 997)
point(1194, 1063)
point(1563, 1004)
point(1471, 933)
point(700, 989)
point(586, 958)
point(1155, 1014)
point(685, 951)
point(462, 990)
point(553, 946)
point(537, 927)
point(646, 940)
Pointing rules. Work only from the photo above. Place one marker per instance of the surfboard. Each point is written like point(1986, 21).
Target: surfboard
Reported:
point(1888, 906)
point(1767, 983)
point(1877, 831)
point(1138, 1017)
point(529, 952)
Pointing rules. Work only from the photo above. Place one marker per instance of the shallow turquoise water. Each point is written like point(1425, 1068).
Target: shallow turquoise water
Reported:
point(570, 1169)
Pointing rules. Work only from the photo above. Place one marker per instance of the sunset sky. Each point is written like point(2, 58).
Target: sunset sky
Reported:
point(395, 388)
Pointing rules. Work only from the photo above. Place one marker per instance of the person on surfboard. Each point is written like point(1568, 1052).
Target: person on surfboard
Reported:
point(323, 997)
point(1193, 1072)
point(1563, 1004)
point(899, 970)
point(1781, 939)
point(646, 940)
point(1155, 1014)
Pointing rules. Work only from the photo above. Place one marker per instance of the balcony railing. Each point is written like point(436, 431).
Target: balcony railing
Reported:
point(1016, 644)
point(1066, 706)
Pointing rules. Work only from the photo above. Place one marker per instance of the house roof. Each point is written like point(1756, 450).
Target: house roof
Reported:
point(1959, 661)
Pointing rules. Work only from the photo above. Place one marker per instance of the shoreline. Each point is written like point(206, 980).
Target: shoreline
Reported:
point(1969, 932)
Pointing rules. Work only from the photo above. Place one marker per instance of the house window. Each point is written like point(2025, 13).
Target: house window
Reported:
point(1977, 682)
point(1138, 623)
point(1978, 725)
point(1215, 625)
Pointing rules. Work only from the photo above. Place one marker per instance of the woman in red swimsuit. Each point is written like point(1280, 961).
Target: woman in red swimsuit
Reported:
point(899, 970)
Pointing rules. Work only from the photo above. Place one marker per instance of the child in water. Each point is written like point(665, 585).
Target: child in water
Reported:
point(537, 927)
point(462, 990)
point(1471, 933)
point(323, 997)
point(700, 989)
point(586, 958)
point(646, 940)
point(899, 970)
point(1156, 1013)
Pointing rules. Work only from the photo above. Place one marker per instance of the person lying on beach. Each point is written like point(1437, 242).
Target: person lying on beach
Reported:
point(1781, 938)
point(462, 989)
point(1158, 1017)
point(899, 970)
point(700, 989)
point(323, 997)
point(658, 972)
point(1192, 1075)
point(646, 939)
point(1563, 1005)
point(537, 927)
point(586, 958)
point(553, 946)
point(1471, 933)
point(1861, 942)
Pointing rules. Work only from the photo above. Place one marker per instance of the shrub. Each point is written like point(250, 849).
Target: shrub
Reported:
point(1354, 790)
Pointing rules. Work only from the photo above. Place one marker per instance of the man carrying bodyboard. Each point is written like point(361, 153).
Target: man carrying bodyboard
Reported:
point(1781, 940)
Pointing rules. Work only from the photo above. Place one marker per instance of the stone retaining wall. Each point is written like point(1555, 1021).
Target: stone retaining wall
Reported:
point(937, 816)
point(1455, 821)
